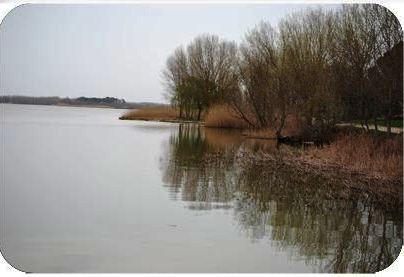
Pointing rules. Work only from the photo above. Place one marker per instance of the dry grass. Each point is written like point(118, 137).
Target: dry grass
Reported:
point(360, 162)
point(293, 127)
point(260, 134)
point(154, 113)
point(376, 156)
point(222, 116)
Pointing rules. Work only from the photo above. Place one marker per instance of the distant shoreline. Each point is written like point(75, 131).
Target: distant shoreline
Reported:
point(89, 102)
point(65, 105)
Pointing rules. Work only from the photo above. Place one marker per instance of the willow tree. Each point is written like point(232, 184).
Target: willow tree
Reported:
point(386, 74)
point(211, 67)
point(286, 71)
point(201, 75)
point(365, 34)
point(175, 76)
point(306, 39)
point(263, 82)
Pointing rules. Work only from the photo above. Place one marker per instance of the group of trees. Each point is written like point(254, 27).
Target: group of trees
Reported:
point(201, 74)
point(333, 230)
point(319, 66)
point(80, 101)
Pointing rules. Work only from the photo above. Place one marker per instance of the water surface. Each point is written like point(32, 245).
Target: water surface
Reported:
point(85, 192)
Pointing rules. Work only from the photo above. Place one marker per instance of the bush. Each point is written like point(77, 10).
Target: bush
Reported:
point(222, 116)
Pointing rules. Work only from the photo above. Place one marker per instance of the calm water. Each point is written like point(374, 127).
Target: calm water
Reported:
point(85, 192)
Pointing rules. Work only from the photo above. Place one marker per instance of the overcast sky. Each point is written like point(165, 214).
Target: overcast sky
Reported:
point(110, 50)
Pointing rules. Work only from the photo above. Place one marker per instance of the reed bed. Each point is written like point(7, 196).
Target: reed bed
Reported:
point(161, 113)
point(293, 127)
point(267, 133)
point(377, 156)
point(222, 116)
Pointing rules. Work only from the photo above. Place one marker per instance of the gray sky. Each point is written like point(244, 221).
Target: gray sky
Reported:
point(110, 50)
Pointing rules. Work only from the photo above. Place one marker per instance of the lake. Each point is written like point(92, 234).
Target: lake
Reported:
point(85, 192)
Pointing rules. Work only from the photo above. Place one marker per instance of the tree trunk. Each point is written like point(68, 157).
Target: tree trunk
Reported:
point(280, 127)
point(199, 113)
point(367, 125)
point(389, 113)
point(389, 127)
point(187, 113)
point(376, 127)
point(239, 110)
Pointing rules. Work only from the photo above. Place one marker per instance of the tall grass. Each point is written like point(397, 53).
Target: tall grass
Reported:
point(379, 156)
point(267, 133)
point(222, 116)
point(152, 113)
point(293, 127)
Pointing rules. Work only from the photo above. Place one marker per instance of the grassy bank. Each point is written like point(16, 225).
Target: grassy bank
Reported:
point(377, 156)
point(360, 162)
point(216, 117)
point(368, 154)
point(355, 155)
point(163, 113)
point(221, 116)
point(395, 123)
point(342, 182)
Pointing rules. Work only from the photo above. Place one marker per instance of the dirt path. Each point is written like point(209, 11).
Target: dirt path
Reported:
point(394, 130)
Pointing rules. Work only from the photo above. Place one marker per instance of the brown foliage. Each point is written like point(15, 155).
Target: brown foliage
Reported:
point(221, 116)
point(154, 113)
point(293, 128)
point(378, 156)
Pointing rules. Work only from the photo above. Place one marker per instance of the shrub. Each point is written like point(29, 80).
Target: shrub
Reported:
point(379, 156)
point(222, 116)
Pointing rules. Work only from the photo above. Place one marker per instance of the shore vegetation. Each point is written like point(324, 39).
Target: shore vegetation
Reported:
point(319, 66)
point(160, 113)
point(297, 82)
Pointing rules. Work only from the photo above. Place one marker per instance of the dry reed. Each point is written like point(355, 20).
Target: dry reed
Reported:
point(268, 133)
point(378, 156)
point(152, 113)
point(293, 127)
point(222, 116)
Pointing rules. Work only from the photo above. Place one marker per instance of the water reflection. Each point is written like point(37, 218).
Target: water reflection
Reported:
point(348, 232)
point(307, 215)
point(199, 170)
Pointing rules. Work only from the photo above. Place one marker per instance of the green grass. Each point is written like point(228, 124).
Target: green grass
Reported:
point(393, 123)
point(398, 123)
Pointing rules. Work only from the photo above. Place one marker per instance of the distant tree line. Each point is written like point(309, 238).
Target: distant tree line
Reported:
point(28, 100)
point(111, 102)
point(321, 66)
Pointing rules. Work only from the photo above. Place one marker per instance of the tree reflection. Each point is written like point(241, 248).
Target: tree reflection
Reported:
point(346, 231)
point(198, 166)
point(306, 215)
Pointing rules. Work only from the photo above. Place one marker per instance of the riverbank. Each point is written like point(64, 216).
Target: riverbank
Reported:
point(340, 182)
point(164, 113)
point(86, 102)
point(216, 117)
point(352, 152)
point(361, 162)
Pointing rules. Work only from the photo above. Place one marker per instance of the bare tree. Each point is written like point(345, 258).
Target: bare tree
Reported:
point(306, 39)
point(174, 77)
point(263, 90)
point(212, 63)
point(319, 66)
